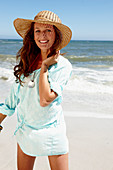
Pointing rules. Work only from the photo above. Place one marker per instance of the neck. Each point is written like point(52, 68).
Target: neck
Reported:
point(44, 54)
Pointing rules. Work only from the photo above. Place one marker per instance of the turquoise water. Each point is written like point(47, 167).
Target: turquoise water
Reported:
point(90, 53)
point(80, 53)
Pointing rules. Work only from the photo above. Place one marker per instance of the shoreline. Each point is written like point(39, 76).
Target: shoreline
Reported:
point(81, 114)
point(87, 105)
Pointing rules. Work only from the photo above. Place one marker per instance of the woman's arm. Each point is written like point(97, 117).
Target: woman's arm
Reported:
point(46, 94)
point(2, 117)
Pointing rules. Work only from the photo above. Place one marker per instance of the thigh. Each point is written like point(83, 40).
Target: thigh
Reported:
point(59, 162)
point(24, 162)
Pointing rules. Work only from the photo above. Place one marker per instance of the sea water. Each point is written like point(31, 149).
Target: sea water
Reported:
point(91, 83)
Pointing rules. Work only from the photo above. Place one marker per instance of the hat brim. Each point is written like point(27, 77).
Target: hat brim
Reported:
point(23, 25)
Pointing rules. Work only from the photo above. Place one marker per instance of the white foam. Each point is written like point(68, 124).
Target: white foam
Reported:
point(91, 81)
point(7, 74)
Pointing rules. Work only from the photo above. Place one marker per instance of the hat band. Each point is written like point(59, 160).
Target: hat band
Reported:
point(44, 19)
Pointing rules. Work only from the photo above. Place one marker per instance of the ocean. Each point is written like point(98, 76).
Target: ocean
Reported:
point(90, 88)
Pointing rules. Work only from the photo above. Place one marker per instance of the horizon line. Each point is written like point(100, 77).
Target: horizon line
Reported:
point(70, 40)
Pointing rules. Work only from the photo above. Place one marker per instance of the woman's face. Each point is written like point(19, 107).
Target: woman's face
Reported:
point(44, 36)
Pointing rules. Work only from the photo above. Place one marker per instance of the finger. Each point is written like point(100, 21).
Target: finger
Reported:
point(58, 52)
point(56, 59)
point(56, 55)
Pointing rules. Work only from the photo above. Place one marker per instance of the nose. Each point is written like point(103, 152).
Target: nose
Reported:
point(43, 35)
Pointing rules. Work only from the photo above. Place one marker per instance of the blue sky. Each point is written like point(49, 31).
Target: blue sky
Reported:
point(88, 19)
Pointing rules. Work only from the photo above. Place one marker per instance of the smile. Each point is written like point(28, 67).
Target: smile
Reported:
point(44, 41)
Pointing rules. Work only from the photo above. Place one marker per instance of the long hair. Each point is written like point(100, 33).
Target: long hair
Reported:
point(29, 51)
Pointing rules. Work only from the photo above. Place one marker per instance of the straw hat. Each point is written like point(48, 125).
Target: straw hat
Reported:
point(44, 17)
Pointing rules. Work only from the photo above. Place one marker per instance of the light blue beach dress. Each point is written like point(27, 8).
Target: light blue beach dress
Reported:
point(40, 131)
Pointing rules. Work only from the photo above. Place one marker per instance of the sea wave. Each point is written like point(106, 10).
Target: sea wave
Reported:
point(10, 41)
point(91, 81)
point(6, 74)
point(6, 56)
point(90, 58)
point(82, 80)
point(96, 78)
point(7, 61)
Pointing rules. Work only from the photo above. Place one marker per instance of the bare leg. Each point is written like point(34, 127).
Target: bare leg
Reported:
point(24, 162)
point(59, 162)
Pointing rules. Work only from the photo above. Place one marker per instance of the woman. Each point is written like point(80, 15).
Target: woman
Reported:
point(41, 76)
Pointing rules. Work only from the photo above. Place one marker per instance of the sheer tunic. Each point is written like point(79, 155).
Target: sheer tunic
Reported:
point(40, 131)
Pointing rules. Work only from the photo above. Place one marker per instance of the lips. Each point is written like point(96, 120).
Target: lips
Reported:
point(43, 41)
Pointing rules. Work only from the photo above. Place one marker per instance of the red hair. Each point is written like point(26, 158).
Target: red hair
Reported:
point(30, 52)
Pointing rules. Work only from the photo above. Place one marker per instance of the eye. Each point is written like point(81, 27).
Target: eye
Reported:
point(48, 30)
point(37, 30)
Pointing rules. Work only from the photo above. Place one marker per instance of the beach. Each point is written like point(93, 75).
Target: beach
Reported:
point(90, 143)
point(87, 106)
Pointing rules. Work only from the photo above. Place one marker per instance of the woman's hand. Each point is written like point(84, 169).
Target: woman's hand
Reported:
point(2, 117)
point(51, 60)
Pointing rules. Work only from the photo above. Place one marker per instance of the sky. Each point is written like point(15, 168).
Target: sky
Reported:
point(88, 19)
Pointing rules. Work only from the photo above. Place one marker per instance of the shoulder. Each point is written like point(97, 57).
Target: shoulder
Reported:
point(62, 65)
point(64, 62)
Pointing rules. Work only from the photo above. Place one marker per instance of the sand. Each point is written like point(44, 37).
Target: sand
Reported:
point(90, 141)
